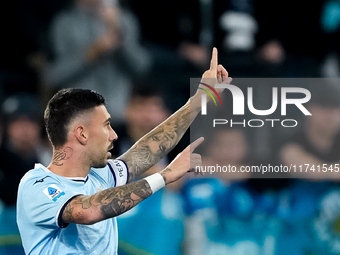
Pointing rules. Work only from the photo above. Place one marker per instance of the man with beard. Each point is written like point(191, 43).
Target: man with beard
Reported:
point(70, 206)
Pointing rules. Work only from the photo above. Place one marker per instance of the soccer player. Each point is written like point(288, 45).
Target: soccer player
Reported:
point(69, 207)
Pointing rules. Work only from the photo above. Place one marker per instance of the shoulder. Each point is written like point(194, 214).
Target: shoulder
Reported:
point(35, 177)
point(39, 188)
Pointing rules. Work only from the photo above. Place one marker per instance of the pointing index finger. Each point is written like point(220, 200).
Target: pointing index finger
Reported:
point(195, 144)
point(213, 63)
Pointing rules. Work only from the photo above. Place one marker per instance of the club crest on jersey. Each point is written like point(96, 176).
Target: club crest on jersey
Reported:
point(53, 192)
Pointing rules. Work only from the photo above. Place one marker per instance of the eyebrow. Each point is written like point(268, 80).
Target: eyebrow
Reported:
point(108, 120)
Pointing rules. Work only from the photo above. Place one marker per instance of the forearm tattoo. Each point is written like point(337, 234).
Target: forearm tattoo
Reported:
point(163, 173)
point(159, 142)
point(111, 202)
point(68, 211)
point(124, 198)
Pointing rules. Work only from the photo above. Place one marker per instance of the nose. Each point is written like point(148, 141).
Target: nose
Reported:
point(113, 135)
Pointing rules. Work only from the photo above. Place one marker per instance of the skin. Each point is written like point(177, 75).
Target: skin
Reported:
point(91, 137)
point(24, 135)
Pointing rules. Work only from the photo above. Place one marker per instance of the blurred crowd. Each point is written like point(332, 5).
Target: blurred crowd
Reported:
point(141, 55)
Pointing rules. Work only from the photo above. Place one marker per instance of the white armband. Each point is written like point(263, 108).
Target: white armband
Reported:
point(155, 181)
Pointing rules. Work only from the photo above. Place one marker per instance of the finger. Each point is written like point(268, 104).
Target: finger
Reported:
point(196, 172)
point(194, 144)
point(219, 77)
point(223, 72)
point(227, 80)
point(213, 63)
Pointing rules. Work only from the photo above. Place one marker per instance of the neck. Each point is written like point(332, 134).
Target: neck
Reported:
point(66, 162)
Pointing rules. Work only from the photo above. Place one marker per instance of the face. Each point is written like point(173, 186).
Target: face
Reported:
point(160, 142)
point(100, 137)
point(145, 113)
point(229, 146)
point(325, 120)
point(24, 134)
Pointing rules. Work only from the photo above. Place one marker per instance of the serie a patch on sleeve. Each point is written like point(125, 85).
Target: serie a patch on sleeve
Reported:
point(53, 192)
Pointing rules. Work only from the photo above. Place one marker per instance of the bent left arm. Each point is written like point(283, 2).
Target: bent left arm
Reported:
point(152, 147)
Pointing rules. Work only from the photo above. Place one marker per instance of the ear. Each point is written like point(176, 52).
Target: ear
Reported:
point(80, 134)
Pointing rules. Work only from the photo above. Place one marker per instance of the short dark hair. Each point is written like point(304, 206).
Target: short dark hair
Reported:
point(64, 106)
point(146, 89)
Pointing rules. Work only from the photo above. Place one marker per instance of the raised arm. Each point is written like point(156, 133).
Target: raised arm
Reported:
point(161, 140)
point(144, 154)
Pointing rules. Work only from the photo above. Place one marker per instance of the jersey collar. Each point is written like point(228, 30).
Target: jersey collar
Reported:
point(76, 179)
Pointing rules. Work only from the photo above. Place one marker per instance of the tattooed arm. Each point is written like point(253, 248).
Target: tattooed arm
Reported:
point(160, 141)
point(156, 144)
point(105, 204)
point(115, 201)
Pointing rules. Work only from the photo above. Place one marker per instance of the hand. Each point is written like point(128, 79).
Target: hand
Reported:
point(216, 74)
point(185, 162)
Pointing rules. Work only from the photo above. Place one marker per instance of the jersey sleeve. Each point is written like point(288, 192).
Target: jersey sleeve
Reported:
point(45, 201)
point(119, 171)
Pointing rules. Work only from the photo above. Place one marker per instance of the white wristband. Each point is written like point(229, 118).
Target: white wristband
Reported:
point(155, 181)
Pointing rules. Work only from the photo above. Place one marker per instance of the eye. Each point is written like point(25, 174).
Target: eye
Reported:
point(155, 138)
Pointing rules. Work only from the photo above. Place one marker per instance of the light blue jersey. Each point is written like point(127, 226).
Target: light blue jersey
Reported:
point(42, 197)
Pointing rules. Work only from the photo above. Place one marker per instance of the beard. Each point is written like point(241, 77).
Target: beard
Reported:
point(99, 160)
point(99, 164)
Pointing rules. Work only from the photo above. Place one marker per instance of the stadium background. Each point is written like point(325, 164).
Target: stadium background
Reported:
point(141, 55)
